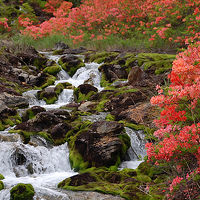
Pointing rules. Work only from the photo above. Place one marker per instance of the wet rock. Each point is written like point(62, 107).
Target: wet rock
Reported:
point(122, 101)
point(36, 140)
point(31, 112)
point(100, 145)
point(59, 131)
point(113, 72)
point(13, 100)
point(61, 45)
point(87, 106)
point(22, 191)
point(71, 63)
point(86, 88)
point(43, 121)
point(62, 114)
point(81, 179)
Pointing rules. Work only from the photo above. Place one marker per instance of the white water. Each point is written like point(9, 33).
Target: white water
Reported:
point(45, 167)
point(88, 74)
point(137, 150)
point(42, 167)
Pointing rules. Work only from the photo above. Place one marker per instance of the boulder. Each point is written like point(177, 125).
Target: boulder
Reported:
point(61, 46)
point(13, 101)
point(86, 88)
point(71, 63)
point(43, 121)
point(113, 72)
point(87, 106)
point(31, 112)
point(101, 145)
point(135, 75)
point(59, 131)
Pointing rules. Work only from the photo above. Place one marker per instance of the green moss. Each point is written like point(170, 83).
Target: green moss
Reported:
point(26, 135)
point(53, 70)
point(9, 121)
point(110, 117)
point(58, 52)
point(147, 131)
point(104, 82)
point(50, 81)
point(82, 97)
point(22, 192)
point(71, 68)
point(107, 182)
point(100, 106)
point(125, 90)
point(103, 56)
point(1, 185)
point(1, 177)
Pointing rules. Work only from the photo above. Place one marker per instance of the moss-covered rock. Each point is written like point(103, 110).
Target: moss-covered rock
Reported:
point(71, 64)
point(102, 143)
point(58, 52)
point(53, 70)
point(100, 57)
point(84, 92)
point(1, 185)
point(1, 177)
point(124, 183)
point(50, 80)
point(158, 63)
point(9, 117)
point(32, 112)
point(27, 134)
point(22, 192)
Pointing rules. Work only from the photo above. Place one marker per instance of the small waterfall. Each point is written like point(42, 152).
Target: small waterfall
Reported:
point(31, 95)
point(137, 150)
point(42, 167)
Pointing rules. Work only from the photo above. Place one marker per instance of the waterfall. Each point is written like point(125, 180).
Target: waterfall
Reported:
point(40, 166)
point(137, 150)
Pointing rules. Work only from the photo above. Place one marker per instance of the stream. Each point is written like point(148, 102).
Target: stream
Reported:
point(45, 166)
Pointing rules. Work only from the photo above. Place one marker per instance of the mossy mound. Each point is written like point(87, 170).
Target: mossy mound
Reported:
point(53, 70)
point(1, 177)
point(22, 192)
point(50, 80)
point(58, 52)
point(100, 57)
point(123, 183)
point(26, 135)
point(1, 185)
point(71, 64)
point(128, 183)
point(158, 63)
point(9, 120)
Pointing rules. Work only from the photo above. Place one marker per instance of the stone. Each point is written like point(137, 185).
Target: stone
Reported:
point(113, 72)
point(59, 131)
point(13, 101)
point(86, 88)
point(61, 45)
point(100, 145)
point(87, 106)
point(135, 75)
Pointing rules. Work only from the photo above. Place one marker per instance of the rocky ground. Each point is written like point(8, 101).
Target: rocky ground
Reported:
point(96, 149)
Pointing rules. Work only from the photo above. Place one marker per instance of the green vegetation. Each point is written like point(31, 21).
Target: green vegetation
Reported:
point(22, 192)
point(53, 70)
point(1, 185)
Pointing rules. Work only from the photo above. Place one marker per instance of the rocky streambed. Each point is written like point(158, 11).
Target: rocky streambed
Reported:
point(73, 119)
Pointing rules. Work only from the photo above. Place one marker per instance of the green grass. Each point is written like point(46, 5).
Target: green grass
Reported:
point(137, 43)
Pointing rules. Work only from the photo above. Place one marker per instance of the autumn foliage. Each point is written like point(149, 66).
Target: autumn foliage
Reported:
point(179, 123)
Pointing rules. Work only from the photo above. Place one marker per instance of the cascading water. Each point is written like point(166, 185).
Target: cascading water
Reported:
point(137, 150)
point(44, 166)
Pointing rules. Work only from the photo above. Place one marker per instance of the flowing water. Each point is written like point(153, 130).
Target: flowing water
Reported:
point(44, 166)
